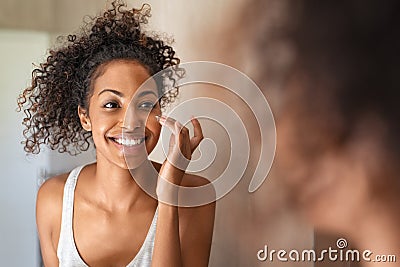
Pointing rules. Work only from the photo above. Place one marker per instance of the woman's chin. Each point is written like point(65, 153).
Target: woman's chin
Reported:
point(136, 161)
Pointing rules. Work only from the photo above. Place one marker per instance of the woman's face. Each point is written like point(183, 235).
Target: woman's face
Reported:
point(121, 117)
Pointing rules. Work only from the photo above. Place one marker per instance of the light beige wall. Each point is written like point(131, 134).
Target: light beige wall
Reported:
point(70, 13)
point(46, 15)
point(37, 15)
point(199, 27)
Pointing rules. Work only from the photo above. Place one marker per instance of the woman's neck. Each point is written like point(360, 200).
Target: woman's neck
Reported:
point(114, 188)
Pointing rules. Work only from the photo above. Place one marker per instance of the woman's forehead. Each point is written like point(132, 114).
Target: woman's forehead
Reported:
point(127, 76)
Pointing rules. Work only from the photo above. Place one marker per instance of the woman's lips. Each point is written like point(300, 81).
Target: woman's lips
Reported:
point(129, 141)
point(131, 145)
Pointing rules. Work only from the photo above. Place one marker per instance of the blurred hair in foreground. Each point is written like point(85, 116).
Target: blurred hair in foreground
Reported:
point(336, 64)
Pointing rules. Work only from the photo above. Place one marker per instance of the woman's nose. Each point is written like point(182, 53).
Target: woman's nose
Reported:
point(132, 120)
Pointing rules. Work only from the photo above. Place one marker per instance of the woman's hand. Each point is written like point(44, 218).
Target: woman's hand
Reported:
point(180, 231)
point(181, 147)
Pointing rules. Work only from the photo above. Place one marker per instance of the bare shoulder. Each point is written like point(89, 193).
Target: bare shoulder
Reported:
point(49, 203)
point(48, 217)
point(52, 189)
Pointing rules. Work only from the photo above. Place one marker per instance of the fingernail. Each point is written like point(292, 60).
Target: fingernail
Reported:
point(160, 119)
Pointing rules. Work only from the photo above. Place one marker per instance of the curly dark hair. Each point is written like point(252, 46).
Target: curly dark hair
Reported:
point(64, 81)
point(347, 51)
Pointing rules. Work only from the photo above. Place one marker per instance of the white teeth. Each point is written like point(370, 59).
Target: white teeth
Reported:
point(129, 142)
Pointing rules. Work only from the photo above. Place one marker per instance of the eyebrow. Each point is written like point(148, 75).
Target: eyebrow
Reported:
point(118, 93)
point(143, 93)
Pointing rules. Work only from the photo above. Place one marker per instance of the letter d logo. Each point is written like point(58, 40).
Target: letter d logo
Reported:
point(262, 254)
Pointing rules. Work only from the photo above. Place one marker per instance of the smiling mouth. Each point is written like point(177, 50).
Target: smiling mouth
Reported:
point(128, 141)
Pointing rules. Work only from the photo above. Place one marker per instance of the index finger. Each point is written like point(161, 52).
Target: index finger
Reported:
point(198, 134)
point(197, 130)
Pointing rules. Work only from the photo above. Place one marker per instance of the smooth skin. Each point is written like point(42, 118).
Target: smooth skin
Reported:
point(112, 214)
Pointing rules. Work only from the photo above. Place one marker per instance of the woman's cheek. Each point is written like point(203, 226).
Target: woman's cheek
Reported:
point(154, 129)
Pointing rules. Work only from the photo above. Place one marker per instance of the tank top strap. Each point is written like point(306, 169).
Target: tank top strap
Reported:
point(144, 256)
point(67, 252)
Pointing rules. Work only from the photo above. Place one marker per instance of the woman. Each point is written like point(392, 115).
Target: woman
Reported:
point(97, 215)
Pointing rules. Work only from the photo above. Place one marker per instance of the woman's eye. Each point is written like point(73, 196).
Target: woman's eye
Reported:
point(147, 105)
point(111, 105)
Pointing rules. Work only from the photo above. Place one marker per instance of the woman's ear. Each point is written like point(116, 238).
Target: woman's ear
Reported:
point(84, 118)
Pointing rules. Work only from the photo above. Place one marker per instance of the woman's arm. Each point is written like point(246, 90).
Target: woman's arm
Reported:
point(183, 236)
point(167, 247)
point(196, 225)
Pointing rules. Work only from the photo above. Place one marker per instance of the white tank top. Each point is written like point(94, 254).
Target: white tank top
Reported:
point(67, 252)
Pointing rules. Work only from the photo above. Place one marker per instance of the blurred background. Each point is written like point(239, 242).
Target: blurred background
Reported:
point(202, 30)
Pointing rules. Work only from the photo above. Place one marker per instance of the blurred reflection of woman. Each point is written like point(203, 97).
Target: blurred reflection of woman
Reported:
point(338, 123)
